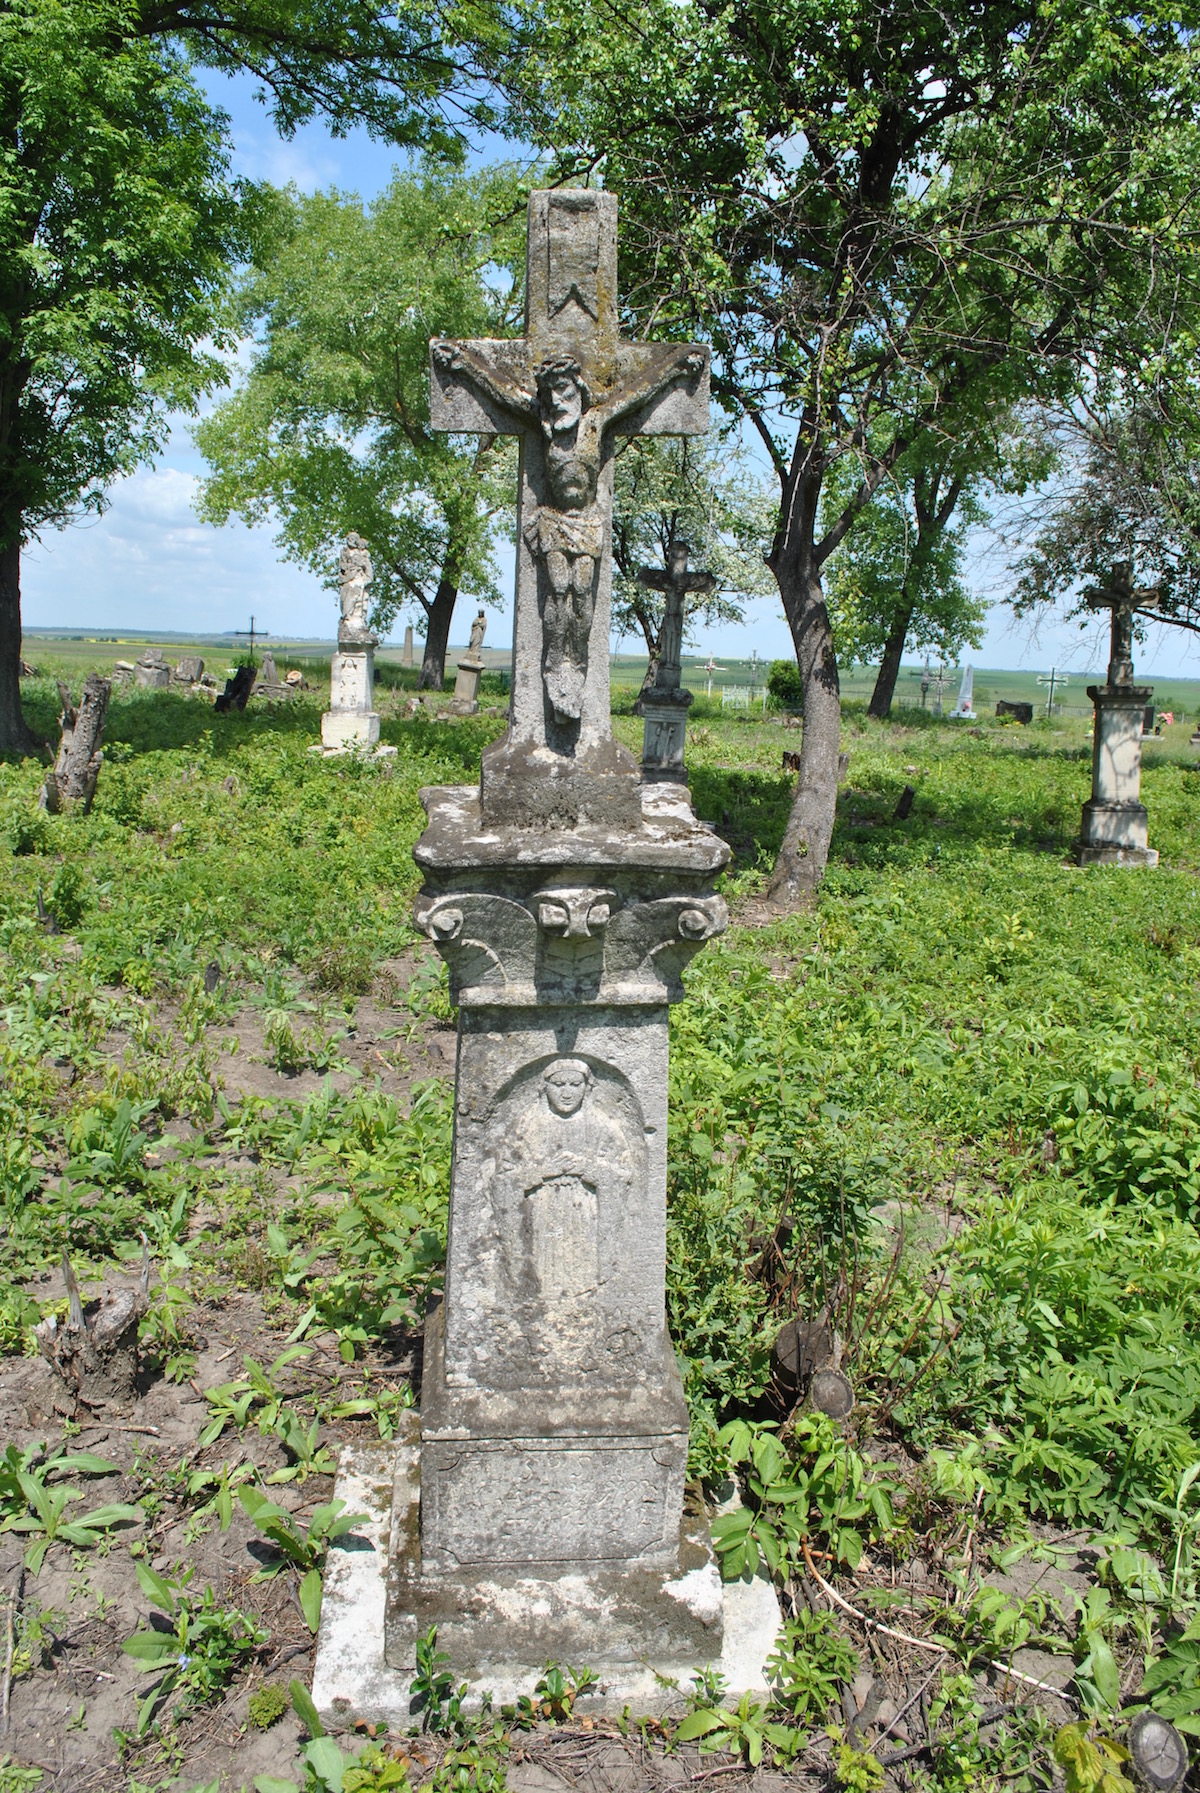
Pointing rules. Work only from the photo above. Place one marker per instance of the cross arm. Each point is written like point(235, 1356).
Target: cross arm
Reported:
point(481, 387)
point(661, 389)
point(655, 578)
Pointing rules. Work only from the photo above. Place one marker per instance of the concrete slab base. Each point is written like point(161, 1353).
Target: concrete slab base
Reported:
point(1114, 855)
point(352, 1680)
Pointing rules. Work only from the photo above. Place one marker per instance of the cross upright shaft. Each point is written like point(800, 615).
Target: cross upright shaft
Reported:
point(568, 388)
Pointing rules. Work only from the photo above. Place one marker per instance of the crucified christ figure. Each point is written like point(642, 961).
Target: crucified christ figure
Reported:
point(566, 536)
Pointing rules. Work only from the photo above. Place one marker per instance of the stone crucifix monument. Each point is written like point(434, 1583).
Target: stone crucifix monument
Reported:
point(351, 719)
point(664, 703)
point(540, 1512)
point(1114, 826)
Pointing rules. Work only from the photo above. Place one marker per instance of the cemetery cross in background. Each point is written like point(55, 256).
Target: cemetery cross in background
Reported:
point(566, 896)
point(1115, 826)
point(664, 703)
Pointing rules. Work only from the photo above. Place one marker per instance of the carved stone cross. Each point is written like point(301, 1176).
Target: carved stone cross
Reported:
point(1120, 597)
point(567, 388)
point(677, 583)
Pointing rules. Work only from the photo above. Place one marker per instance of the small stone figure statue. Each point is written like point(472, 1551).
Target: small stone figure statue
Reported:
point(478, 631)
point(354, 575)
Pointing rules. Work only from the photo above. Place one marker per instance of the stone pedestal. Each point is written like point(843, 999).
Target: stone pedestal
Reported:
point(351, 720)
point(465, 701)
point(664, 730)
point(553, 1424)
point(1114, 825)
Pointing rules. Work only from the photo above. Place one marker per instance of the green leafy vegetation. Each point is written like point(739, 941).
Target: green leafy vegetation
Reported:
point(953, 1106)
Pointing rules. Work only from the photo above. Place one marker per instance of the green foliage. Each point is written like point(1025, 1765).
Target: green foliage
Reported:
point(304, 1550)
point(856, 1770)
point(34, 1503)
point(741, 1730)
point(198, 1652)
point(786, 685)
point(1091, 1762)
point(671, 488)
point(267, 1705)
point(329, 431)
point(807, 1487)
point(810, 1660)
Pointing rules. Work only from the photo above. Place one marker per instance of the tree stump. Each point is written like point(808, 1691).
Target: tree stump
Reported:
point(72, 781)
point(95, 1354)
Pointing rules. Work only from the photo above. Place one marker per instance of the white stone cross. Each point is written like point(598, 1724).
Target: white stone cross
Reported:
point(567, 388)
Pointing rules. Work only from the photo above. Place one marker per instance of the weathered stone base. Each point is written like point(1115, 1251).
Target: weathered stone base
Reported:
point(664, 732)
point(524, 786)
point(1114, 833)
point(344, 729)
point(634, 1630)
point(1113, 855)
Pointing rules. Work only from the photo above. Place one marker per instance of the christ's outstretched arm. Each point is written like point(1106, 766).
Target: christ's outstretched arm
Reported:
point(457, 358)
point(689, 364)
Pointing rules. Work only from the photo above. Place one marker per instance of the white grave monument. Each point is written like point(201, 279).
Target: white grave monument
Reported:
point(1115, 826)
point(351, 720)
point(964, 709)
point(538, 1512)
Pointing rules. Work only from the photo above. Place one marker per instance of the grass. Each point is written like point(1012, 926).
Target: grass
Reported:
point(955, 1103)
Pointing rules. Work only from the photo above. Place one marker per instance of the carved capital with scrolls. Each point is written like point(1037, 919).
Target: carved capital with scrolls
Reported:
point(568, 943)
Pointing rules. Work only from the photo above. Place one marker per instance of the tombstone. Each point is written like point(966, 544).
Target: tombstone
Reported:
point(150, 671)
point(465, 701)
point(269, 685)
point(1019, 711)
point(1114, 827)
point(964, 709)
point(189, 670)
point(663, 702)
point(406, 658)
point(540, 1513)
point(351, 720)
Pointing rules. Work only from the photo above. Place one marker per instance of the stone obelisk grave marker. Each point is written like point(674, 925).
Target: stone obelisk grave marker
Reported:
point(566, 897)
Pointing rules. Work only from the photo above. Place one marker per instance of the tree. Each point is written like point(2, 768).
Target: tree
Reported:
point(1126, 487)
point(119, 220)
point(329, 431)
point(890, 224)
point(897, 578)
point(671, 488)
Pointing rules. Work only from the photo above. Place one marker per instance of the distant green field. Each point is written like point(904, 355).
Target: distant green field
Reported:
point(68, 651)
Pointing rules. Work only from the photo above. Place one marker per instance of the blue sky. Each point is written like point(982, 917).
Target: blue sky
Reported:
point(148, 563)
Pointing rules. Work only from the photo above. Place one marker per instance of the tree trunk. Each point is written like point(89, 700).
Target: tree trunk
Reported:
point(15, 734)
point(805, 849)
point(889, 667)
point(72, 780)
point(438, 617)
